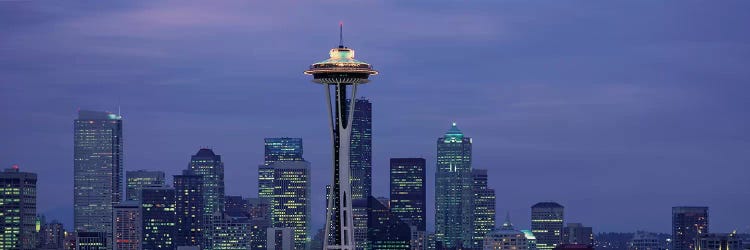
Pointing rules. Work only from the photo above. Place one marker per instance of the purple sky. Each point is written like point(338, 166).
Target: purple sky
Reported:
point(618, 110)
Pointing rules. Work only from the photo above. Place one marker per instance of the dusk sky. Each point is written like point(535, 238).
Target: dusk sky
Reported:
point(617, 110)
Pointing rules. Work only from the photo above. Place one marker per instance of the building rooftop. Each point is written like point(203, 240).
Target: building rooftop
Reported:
point(97, 115)
point(548, 204)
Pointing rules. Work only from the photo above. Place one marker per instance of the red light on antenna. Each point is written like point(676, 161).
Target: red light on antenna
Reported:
point(15, 166)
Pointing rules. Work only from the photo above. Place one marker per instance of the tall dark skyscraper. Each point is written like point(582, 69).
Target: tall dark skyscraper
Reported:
point(484, 207)
point(408, 191)
point(158, 213)
point(97, 171)
point(687, 224)
point(209, 165)
point(136, 180)
point(360, 157)
point(340, 71)
point(547, 224)
point(17, 209)
point(189, 209)
point(360, 163)
point(453, 190)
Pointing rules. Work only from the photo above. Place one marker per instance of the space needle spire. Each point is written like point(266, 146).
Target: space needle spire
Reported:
point(339, 73)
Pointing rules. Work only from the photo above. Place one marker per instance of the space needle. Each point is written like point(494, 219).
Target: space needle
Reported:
point(340, 72)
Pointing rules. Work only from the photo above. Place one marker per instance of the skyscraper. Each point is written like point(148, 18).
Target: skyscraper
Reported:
point(360, 163)
point(17, 209)
point(135, 180)
point(687, 224)
point(158, 214)
point(276, 149)
point(97, 171)
point(576, 233)
point(231, 232)
point(453, 190)
point(208, 165)
point(339, 71)
point(384, 229)
point(128, 230)
point(408, 191)
point(291, 199)
point(189, 209)
point(484, 207)
point(547, 224)
point(282, 149)
point(360, 156)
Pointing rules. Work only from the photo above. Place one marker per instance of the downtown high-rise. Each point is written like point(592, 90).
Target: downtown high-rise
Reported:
point(276, 149)
point(136, 180)
point(408, 191)
point(360, 156)
point(547, 224)
point(17, 209)
point(209, 166)
point(128, 231)
point(97, 172)
point(360, 165)
point(688, 223)
point(453, 190)
point(158, 217)
point(291, 199)
point(188, 209)
point(483, 200)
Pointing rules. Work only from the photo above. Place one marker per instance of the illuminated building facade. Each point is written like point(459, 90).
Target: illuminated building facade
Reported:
point(276, 149)
point(291, 199)
point(128, 230)
point(645, 241)
point(208, 165)
point(17, 209)
point(483, 219)
point(719, 241)
point(576, 233)
point(687, 224)
point(340, 71)
point(91, 241)
point(136, 180)
point(360, 163)
point(453, 190)
point(231, 232)
point(158, 214)
point(97, 171)
point(408, 191)
point(547, 224)
point(506, 238)
point(189, 209)
point(360, 156)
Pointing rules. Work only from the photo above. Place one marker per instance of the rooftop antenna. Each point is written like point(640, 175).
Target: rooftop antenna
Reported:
point(341, 34)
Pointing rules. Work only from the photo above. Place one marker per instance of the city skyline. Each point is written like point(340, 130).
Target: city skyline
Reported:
point(600, 126)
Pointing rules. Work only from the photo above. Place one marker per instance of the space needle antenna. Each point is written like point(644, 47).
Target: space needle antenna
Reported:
point(341, 34)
